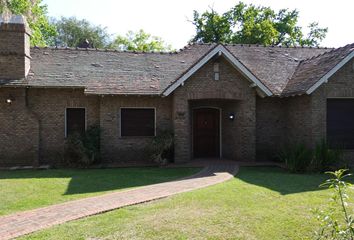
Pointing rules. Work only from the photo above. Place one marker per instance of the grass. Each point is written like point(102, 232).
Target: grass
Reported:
point(259, 203)
point(27, 189)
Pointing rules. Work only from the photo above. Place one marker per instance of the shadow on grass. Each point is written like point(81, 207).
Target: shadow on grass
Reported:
point(282, 181)
point(99, 180)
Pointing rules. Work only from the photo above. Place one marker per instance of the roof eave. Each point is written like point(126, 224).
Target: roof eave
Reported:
point(330, 73)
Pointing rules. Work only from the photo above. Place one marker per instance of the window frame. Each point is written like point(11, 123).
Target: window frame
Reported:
point(66, 119)
point(336, 98)
point(120, 122)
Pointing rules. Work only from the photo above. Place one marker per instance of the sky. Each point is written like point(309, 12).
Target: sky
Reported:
point(170, 20)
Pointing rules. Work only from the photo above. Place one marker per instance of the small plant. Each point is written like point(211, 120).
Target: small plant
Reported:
point(91, 142)
point(161, 147)
point(83, 150)
point(325, 158)
point(296, 158)
point(75, 152)
point(336, 222)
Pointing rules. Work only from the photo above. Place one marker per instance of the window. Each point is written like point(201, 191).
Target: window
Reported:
point(137, 122)
point(75, 121)
point(340, 123)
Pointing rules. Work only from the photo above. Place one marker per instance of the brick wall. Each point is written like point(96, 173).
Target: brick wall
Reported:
point(19, 124)
point(129, 149)
point(271, 126)
point(232, 86)
point(298, 120)
point(19, 129)
point(50, 105)
point(340, 85)
point(37, 118)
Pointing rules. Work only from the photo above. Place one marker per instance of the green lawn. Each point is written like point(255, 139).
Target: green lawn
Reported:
point(260, 203)
point(27, 189)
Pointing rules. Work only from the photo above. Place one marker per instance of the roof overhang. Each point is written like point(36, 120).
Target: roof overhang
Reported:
point(219, 50)
point(330, 73)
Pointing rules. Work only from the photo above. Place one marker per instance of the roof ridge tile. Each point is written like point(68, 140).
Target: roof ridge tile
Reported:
point(56, 48)
point(325, 53)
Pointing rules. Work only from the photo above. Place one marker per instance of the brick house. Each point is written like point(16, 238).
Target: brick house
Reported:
point(240, 102)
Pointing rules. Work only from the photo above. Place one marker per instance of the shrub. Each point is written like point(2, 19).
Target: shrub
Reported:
point(83, 150)
point(296, 157)
point(325, 158)
point(162, 148)
point(336, 222)
point(75, 152)
point(92, 144)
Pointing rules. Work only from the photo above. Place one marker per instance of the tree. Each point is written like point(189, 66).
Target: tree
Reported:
point(73, 32)
point(250, 24)
point(140, 41)
point(43, 32)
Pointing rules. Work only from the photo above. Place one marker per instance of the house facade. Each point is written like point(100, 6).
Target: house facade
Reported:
point(238, 102)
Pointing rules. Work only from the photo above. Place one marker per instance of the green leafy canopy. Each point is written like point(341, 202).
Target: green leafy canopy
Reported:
point(42, 32)
point(250, 24)
point(72, 32)
point(140, 41)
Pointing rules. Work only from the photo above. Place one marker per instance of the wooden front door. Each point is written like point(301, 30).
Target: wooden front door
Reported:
point(206, 133)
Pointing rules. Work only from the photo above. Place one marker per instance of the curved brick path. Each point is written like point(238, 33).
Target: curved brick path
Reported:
point(21, 223)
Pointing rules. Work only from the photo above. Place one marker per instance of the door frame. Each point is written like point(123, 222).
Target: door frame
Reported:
point(220, 128)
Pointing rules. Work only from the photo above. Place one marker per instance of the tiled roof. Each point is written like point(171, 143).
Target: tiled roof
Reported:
point(273, 65)
point(108, 72)
point(310, 71)
point(280, 69)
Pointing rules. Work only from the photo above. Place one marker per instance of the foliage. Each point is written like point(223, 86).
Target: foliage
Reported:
point(252, 24)
point(92, 143)
point(336, 222)
point(75, 152)
point(325, 158)
point(140, 41)
point(83, 150)
point(72, 32)
point(43, 32)
point(161, 147)
point(296, 157)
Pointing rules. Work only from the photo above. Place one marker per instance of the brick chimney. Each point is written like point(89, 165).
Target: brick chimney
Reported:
point(14, 47)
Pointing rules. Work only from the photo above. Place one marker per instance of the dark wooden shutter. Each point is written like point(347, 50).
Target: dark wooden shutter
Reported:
point(75, 121)
point(340, 123)
point(137, 122)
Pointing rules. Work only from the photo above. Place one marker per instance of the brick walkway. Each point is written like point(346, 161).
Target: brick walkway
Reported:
point(21, 223)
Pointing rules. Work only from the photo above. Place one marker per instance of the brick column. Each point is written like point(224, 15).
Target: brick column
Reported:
point(182, 132)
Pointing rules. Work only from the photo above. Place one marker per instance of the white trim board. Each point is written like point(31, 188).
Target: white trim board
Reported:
point(220, 50)
point(330, 73)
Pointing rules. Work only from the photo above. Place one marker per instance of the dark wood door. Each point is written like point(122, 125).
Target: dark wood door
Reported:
point(206, 132)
